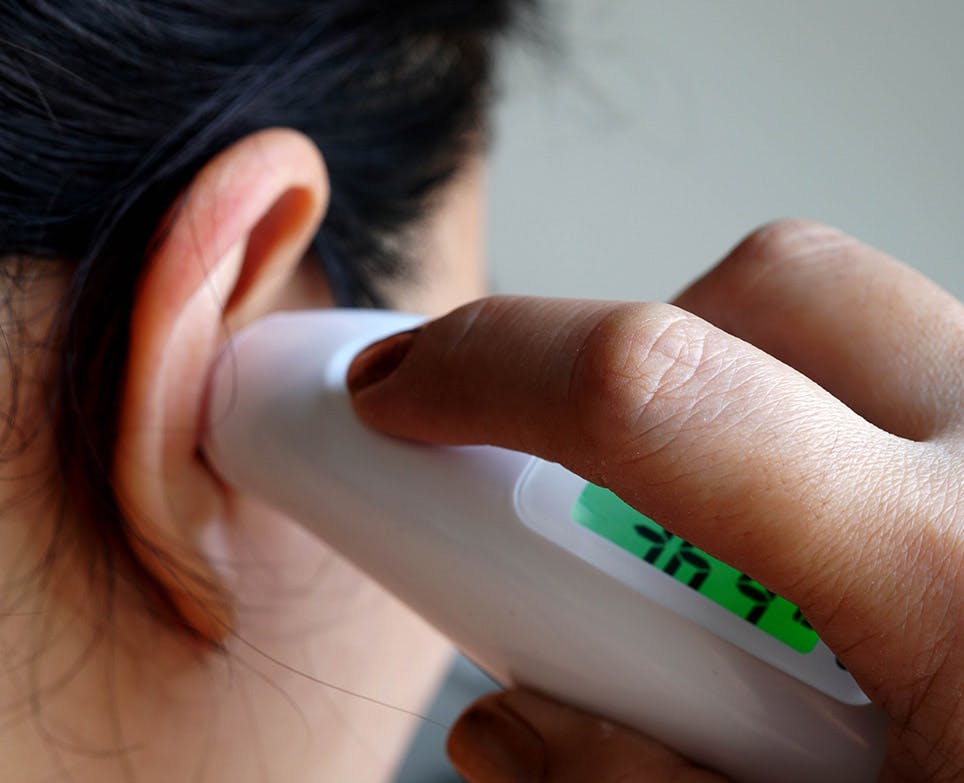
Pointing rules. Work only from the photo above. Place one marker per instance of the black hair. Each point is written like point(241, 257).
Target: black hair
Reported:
point(109, 108)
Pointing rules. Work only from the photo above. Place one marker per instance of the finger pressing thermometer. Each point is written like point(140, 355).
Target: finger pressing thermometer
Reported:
point(542, 579)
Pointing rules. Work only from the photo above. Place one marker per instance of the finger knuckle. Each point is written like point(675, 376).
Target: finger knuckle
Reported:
point(636, 366)
point(784, 245)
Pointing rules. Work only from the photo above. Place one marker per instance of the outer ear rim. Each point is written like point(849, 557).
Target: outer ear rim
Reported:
point(254, 208)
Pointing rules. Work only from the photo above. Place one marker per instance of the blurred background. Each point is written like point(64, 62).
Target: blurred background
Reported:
point(651, 136)
point(648, 137)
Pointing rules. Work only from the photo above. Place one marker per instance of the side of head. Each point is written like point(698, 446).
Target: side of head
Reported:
point(165, 169)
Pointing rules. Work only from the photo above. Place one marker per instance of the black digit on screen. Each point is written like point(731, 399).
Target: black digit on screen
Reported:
point(757, 593)
point(659, 538)
point(691, 556)
point(799, 618)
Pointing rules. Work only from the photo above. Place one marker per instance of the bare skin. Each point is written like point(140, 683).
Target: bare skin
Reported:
point(87, 698)
point(798, 413)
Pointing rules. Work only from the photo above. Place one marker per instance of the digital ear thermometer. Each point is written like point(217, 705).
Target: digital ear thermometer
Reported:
point(542, 579)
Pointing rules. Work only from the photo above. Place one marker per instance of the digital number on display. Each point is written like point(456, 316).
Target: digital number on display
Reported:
point(602, 512)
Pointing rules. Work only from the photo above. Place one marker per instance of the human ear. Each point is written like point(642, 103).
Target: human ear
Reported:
point(226, 251)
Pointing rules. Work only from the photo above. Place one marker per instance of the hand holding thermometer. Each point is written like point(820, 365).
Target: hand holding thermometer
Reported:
point(541, 578)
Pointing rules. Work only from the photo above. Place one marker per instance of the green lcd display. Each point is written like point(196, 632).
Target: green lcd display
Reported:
point(602, 512)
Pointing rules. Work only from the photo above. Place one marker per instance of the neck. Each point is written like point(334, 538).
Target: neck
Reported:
point(97, 690)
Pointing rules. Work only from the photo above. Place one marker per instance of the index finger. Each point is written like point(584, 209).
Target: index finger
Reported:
point(719, 442)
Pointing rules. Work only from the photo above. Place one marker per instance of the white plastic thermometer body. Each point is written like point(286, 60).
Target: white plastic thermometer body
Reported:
point(483, 543)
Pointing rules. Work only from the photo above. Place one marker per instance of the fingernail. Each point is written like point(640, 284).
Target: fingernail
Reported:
point(493, 744)
point(378, 361)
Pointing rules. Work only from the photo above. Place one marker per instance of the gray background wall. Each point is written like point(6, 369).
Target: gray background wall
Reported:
point(661, 132)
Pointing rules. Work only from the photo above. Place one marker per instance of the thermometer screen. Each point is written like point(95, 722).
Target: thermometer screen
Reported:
point(602, 512)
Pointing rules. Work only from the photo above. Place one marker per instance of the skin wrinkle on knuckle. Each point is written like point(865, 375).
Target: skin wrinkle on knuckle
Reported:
point(597, 377)
point(687, 387)
point(655, 438)
point(723, 397)
point(638, 364)
point(730, 394)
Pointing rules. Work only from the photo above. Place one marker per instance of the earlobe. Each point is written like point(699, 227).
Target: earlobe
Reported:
point(228, 249)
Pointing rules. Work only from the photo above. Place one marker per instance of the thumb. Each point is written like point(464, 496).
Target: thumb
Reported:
point(519, 737)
